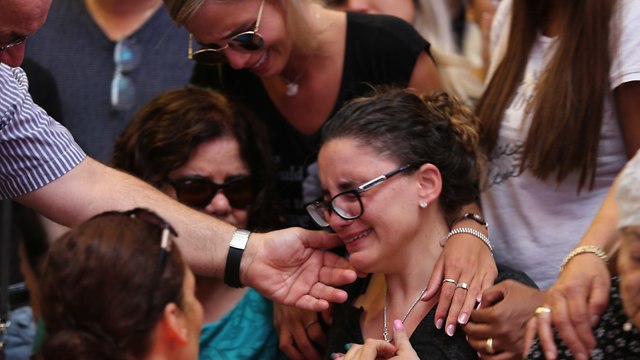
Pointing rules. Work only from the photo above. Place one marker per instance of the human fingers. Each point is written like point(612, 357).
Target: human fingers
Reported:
point(401, 340)
point(456, 316)
point(433, 285)
point(565, 320)
point(545, 332)
point(303, 341)
point(284, 324)
point(530, 335)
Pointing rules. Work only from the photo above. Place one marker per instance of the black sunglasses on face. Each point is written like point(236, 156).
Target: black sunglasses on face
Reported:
point(245, 41)
point(197, 192)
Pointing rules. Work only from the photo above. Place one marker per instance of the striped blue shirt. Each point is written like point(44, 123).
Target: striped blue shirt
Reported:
point(34, 148)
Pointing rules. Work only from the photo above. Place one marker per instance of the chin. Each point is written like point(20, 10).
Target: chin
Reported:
point(363, 263)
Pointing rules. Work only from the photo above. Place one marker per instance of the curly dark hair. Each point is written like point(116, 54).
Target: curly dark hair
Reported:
point(409, 128)
point(165, 132)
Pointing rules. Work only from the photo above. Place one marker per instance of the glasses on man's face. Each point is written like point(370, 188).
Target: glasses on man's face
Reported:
point(348, 204)
point(245, 41)
point(126, 56)
point(197, 192)
point(155, 220)
point(13, 43)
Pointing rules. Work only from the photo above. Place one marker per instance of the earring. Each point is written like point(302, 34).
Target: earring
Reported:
point(423, 204)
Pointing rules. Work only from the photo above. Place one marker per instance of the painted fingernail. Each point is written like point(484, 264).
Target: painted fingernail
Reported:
point(336, 355)
point(398, 325)
point(462, 319)
point(347, 346)
point(451, 329)
point(439, 324)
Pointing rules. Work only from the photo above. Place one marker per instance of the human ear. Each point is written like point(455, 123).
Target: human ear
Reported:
point(174, 324)
point(429, 183)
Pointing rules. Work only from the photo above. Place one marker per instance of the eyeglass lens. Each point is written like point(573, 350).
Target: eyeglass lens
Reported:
point(198, 192)
point(246, 41)
point(126, 57)
point(348, 204)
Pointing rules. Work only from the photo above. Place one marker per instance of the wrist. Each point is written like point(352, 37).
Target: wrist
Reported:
point(586, 249)
point(235, 256)
point(470, 218)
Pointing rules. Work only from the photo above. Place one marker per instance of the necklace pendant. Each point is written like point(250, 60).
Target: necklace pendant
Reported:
point(292, 89)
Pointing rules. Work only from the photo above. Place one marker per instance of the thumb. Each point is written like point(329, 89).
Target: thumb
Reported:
point(492, 295)
point(401, 341)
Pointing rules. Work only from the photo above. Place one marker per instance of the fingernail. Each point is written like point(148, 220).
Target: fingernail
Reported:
point(424, 297)
point(398, 325)
point(451, 329)
point(462, 319)
point(439, 324)
point(347, 346)
point(549, 355)
point(581, 356)
point(594, 320)
point(336, 355)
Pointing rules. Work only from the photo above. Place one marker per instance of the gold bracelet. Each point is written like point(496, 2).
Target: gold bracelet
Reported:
point(585, 249)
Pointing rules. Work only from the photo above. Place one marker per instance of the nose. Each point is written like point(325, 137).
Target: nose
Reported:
point(237, 59)
point(13, 56)
point(219, 206)
point(336, 222)
point(358, 6)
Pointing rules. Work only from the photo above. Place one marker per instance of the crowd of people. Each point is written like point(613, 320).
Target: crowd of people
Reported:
point(292, 179)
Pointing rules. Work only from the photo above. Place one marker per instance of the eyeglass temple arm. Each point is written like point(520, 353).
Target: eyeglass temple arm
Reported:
point(259, 16)
point(377, 181)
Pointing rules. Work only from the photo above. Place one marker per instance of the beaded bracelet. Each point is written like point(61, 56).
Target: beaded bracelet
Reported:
point(585, 249)
point(470, 231)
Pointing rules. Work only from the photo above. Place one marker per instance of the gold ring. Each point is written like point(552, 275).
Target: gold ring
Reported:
point(488, 347)
point(542, 310)
point(450, 281)
point(308, 325)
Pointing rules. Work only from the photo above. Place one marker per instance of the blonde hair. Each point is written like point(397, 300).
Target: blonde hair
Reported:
point(297, 15)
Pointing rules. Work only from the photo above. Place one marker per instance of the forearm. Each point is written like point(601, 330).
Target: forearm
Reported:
point(603, 229)
point(92, 188)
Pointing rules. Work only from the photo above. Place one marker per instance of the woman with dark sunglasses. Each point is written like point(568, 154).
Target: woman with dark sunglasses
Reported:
point(296, 63)
point(116, 287)
point(207, 152)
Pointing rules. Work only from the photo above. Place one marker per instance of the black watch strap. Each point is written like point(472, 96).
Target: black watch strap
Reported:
point(471, 216)
point(236, 249)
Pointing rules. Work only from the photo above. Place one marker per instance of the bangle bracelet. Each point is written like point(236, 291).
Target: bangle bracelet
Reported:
point(471, 216)
point(470, 231)
point(236, 248)
point(585, 249)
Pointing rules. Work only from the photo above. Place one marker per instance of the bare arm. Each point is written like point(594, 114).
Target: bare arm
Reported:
point(424, 77)
point(287, 266)
point(581, 292)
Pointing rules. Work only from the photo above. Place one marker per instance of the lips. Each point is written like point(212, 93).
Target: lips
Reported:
point(357, 237)
point(259, 67)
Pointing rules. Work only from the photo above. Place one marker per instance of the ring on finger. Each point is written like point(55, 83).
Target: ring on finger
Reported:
point(543, 310)
point(450, 281)
point(488, 347)
point(308, 325)
point(462, 285)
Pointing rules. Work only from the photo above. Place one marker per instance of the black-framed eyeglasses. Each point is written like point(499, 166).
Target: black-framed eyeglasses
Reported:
point(245, 41)
point(13, 43)
point(152, 218)
point(348, 204)
point(126, 56)
point(197, 192)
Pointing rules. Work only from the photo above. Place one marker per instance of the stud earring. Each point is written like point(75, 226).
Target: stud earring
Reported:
point(423, 204)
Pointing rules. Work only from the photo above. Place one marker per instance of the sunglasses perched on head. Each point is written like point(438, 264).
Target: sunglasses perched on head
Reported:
point(245, 41)
point(197, 192)
point(156, 220)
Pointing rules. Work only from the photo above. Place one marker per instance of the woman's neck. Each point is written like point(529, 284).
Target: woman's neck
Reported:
point(121, 18)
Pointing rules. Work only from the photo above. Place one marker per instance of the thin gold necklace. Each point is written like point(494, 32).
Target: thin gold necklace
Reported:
point(385, 332)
